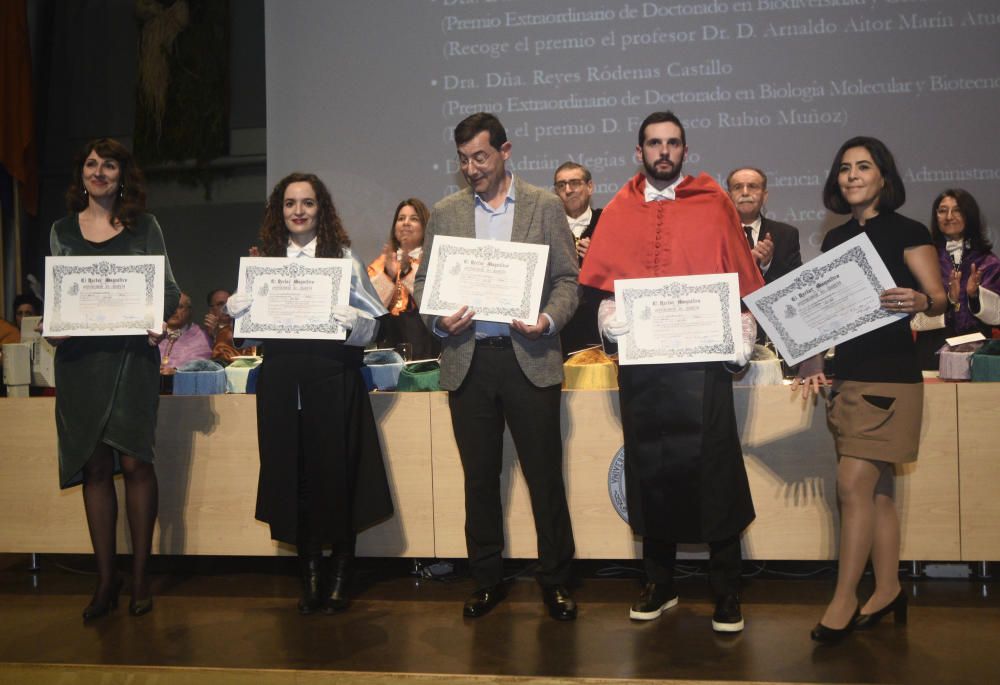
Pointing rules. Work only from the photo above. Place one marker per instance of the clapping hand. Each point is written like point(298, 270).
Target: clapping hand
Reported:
point(972, 285)
point(763, 251)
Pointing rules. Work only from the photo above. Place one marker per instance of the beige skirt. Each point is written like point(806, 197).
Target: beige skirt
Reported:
point(876, 421)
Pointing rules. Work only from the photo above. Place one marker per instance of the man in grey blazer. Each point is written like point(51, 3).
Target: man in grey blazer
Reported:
point(495, 373)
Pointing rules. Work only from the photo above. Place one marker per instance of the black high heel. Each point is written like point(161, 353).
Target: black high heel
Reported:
point(96, 610)
point(829, 636)
point(138, 607)
point(896, 606)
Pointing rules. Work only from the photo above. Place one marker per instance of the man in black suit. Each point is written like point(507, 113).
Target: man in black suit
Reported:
point(774, 245)
point(574, 185)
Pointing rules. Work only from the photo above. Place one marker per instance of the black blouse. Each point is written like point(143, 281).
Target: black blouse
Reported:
point(887, 354)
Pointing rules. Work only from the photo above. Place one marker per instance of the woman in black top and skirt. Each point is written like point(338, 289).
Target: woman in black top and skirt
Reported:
point(876, 402)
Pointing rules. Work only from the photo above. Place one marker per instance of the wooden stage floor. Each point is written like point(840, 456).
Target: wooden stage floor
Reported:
point(233, 620)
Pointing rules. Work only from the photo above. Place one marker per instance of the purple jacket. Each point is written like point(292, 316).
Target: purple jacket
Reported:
point(964, 321)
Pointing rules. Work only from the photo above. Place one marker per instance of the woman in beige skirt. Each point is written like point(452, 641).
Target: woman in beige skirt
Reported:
point(876, 401)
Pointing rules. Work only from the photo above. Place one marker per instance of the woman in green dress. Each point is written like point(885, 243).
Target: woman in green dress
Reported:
point(107, 387)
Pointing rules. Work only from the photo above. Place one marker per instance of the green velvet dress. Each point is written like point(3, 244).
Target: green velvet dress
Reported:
point(107, 388)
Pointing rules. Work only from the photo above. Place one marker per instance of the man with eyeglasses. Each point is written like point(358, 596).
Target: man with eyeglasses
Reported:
point(575, 186)
point(774, 245)
point(497, 374)
point(685, 481)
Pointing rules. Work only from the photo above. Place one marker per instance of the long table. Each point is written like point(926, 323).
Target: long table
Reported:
point(207, 465)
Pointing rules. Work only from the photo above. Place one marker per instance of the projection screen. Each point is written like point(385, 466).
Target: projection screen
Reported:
point(366, 94)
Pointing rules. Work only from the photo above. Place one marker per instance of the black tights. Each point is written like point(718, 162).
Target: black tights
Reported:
point(101, 504)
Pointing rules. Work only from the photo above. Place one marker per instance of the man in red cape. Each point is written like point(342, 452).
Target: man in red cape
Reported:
point(684, 475)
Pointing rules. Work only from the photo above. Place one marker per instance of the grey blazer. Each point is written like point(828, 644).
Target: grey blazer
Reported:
point(539, 218)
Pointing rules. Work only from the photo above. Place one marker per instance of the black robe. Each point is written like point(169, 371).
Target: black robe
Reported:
point(334, 433)
point(684, 475)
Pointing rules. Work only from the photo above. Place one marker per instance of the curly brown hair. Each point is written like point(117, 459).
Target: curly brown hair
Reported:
point(419, 207)
point(331, 237)
point(130, 201)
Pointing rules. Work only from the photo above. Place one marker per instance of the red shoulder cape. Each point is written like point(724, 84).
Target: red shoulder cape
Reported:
point(697, 233)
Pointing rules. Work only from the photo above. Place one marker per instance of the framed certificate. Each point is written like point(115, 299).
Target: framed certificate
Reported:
point(832, 298)
point(679, 319)
point(500, 281)
point(293, 298)
point(89, 296)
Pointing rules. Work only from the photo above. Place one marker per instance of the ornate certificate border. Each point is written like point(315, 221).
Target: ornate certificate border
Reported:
point(673, 290)
point(63, 269)
point(859, 251)
point(449, 248)
point(336, 269)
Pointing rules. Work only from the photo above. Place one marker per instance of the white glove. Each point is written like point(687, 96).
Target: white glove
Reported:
point(610, 325)
point(615, 328)
point(238, 304)
point(347, 316)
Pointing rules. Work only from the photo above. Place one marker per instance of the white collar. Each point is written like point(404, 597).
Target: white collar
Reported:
point(584, 218)
point(955, 249)
point(307, 250)
point(668, 193)
point(580, 223)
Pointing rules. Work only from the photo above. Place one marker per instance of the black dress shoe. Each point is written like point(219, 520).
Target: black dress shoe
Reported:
point(339, 582)
point(481, 602)
point(728, 617)
point(896, 606)
point(311, 570)
point(822, 633)
point(102, 606)
point(562, 606)
point(654, 600)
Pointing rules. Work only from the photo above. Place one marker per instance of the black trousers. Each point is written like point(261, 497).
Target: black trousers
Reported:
point(496, 391)
point(724, 565)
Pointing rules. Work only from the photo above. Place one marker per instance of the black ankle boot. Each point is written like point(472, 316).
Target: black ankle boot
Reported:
point(311, 570)
point(342, 564)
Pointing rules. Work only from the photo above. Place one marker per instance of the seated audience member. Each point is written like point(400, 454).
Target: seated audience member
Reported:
point(969, 270)
point(392, 275)
point(9, 333)
point(26, 304)
point(575, 186)
point(219, 326)
point(184, 340)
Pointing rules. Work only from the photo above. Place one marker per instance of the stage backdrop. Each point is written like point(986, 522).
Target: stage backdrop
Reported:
point(366, 93)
